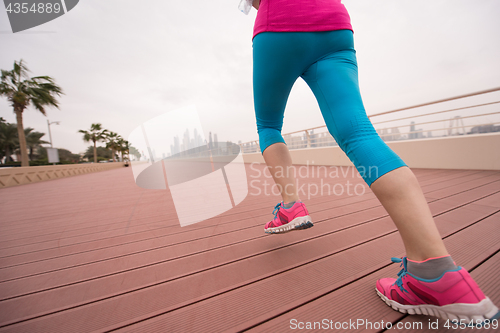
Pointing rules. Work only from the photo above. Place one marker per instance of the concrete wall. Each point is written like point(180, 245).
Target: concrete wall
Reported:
point(477, 151)
point(27, 175)
point(480, 152)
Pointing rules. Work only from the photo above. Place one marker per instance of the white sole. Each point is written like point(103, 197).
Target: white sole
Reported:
point(467, 312)
point(299, 223)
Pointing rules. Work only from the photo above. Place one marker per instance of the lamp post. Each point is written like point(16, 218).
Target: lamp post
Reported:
point(50, 134)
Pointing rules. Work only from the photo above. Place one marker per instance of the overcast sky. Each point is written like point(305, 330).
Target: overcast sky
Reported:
point(123, 62)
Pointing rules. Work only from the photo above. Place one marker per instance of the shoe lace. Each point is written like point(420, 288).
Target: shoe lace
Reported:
point(276, 209)
point(401, 274)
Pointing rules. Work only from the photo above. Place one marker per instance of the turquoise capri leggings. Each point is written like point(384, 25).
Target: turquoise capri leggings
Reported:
point(327, 62)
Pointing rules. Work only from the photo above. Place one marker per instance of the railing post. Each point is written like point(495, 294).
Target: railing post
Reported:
point(308, 139)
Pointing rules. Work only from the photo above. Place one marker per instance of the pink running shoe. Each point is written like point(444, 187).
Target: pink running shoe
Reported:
point(294, 218)
point(454, 295)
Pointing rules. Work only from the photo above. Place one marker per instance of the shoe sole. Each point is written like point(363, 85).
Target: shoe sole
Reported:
point(479, 312)
point(299, 223)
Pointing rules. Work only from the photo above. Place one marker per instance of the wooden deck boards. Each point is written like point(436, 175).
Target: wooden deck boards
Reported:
point(97, 253)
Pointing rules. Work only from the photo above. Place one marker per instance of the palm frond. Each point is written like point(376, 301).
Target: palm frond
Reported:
point(21, 69)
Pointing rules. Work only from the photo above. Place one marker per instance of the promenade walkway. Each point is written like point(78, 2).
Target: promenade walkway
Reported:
point(95, 253)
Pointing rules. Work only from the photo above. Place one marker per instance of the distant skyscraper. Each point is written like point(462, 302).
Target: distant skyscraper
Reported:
point(395, 134)
point(175, 148)
point(198, 141)
point(185, 141)
point(412, 134)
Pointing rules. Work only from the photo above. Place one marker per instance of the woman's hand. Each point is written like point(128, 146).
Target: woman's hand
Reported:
point(255, 4)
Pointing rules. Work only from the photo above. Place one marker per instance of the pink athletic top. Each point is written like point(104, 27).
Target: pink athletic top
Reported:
point(301, 15)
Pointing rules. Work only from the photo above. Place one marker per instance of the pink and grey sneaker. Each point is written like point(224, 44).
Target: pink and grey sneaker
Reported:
point(288, 219)
point(454, 295)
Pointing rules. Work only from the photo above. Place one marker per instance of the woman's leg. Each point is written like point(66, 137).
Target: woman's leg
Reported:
point(279, 162)
point(275, 70)
point(334, 82)
point(402, 197)
point(278, 60)
point(429, 282)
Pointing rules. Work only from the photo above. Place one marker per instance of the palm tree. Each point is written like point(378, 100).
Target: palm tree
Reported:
point(102, 153)
point(96, 133)
point(21, 91)
point(8, 140)
point(134, 152)
point(33, 140)
point(112, 143)
point(124, 147)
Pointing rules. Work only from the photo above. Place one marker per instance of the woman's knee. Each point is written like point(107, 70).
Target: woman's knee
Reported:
point(269, 136)
point(373, 158)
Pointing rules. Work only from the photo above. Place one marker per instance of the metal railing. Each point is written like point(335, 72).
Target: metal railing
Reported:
point(477, 117)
